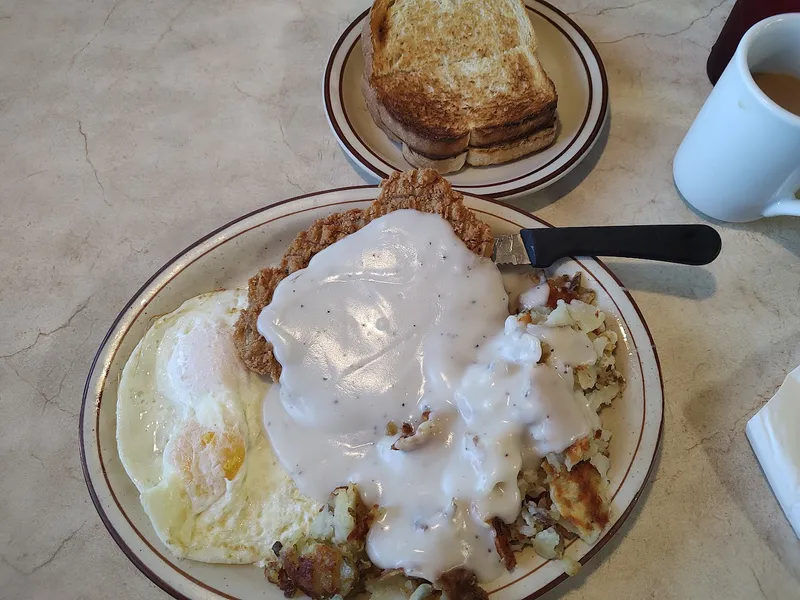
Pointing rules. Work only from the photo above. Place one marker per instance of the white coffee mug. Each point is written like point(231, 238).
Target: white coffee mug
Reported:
point(740, 160)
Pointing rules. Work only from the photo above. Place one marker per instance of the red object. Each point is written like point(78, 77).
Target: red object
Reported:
point(744, 15)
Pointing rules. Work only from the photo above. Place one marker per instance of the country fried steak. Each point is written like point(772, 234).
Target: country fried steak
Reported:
point(562, 496)
point(422, 189)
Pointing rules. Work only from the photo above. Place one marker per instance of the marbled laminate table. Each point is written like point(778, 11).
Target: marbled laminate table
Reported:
point(130, 128)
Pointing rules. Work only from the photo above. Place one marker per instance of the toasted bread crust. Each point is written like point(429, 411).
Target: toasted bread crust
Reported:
point(373, 107)
point(500, 153)
point(483, 156)
point(415, 106)
point(491, 90)
point(435, 141)
point(482, 137)
point(442, 165)
point(423, 190)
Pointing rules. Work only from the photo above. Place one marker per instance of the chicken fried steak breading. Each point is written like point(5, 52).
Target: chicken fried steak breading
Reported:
point(423, 190)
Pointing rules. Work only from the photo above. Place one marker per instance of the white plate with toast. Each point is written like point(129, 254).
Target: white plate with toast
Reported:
point(566, 54)
point(225, 259)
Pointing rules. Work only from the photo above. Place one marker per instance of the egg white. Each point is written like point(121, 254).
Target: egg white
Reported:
point(190, 437)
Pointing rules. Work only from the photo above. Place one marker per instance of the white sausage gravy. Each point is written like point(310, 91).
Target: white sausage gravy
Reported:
point(394, 320)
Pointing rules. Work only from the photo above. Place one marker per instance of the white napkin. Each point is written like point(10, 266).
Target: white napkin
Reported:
point(774, 434)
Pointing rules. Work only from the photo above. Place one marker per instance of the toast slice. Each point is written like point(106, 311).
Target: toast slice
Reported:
point(457, 82)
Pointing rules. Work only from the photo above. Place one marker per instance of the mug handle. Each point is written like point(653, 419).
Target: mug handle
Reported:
point(785, 206)
point(788, 201)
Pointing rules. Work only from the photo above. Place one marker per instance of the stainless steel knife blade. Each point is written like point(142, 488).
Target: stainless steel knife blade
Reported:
point(510, 250)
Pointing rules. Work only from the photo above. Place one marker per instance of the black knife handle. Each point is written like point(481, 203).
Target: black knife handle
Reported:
point(685, 244)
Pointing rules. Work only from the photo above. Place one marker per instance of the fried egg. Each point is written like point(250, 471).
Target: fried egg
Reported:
point(190, 437)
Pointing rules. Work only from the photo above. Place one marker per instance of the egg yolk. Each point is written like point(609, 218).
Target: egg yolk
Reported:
point(205, 459)
point(230, 452)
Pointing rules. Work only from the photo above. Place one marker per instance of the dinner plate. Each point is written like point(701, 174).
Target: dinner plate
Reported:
point(225, 259)
point(568, 56)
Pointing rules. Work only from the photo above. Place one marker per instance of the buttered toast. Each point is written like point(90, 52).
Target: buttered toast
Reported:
point(457, 82)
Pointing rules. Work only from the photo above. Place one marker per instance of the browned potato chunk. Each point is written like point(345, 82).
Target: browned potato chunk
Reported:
point(318, 569)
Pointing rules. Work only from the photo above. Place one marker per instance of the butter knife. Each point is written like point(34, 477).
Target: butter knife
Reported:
point(684, 244)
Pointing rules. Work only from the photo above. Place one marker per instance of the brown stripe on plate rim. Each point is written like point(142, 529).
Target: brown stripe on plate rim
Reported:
point(95, 500)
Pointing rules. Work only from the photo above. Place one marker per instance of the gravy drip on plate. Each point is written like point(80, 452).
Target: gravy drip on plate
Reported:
point(394, 320)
